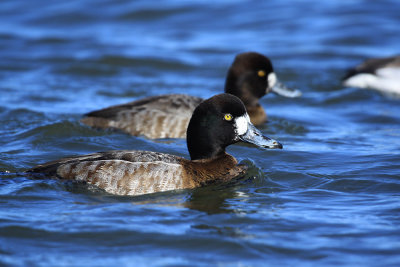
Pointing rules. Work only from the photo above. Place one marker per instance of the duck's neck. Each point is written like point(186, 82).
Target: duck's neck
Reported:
point(206, 151)
point(221, 168)
point(257, 114)
point(241, 89)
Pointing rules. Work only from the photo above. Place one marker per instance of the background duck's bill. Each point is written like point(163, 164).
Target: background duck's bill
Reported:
point(280, 89)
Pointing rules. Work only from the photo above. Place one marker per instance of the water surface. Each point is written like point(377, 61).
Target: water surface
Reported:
point(330, 197)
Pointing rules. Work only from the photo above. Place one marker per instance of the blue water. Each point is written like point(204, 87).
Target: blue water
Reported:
point(331, 197)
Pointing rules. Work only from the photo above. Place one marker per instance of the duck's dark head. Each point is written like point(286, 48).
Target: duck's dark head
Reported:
point(218, 122)
point(251, 76)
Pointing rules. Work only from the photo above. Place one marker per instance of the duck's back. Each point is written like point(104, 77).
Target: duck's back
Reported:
point(122, 172)
point(164, 116)
point(373, 64)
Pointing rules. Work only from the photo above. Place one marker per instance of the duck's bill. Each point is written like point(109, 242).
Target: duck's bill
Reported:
point(255, 137)
point(280, 89)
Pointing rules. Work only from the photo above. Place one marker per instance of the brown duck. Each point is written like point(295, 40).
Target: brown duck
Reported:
point(215, 124)
point(250, 77)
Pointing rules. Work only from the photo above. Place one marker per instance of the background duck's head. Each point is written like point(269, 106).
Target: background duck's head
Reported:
point(251, 76)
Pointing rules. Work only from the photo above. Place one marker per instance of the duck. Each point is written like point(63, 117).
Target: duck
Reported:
point(216, 123)
point(250, 77)
point(382, 74)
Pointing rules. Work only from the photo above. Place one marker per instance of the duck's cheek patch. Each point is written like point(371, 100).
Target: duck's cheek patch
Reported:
point(241, 125)
point(272, 79)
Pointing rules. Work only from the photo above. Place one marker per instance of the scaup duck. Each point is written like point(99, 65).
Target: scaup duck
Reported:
point(382, 74)
point(215, 124)
point(250, 77)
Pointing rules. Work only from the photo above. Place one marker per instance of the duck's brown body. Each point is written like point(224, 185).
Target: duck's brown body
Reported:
point(142, 172)
point(250, 77)
point(164, 116)
point(216, 123)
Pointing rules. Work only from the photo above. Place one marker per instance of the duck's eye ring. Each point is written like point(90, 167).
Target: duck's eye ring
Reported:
point(228, 117)
point(261, 73)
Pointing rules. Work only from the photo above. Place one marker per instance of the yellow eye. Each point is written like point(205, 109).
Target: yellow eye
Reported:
point(261, 73)
point(228, 117)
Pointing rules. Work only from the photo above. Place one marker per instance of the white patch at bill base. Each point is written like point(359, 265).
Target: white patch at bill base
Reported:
point(241, 124)
point(272, 79)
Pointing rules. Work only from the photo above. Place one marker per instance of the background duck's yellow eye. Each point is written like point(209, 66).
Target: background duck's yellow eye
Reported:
point(228, 117)
point(261, 73)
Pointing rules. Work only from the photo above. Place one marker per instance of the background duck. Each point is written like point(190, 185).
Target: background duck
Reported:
point(250, 77)
point(216, 123)
point(382, 74)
